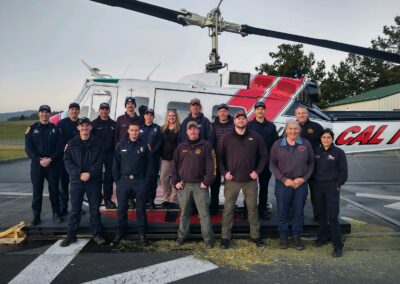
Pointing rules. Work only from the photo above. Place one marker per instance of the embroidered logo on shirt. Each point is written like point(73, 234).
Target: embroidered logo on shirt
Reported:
point(251, 139)
point(301, 148)
point(141, 131)
point(35, 131)
point(184, 151)
point(197, 151)
point(310, 131)
point(141, 149)
point(124, 150)
point(330, 157)
point(317, 156)
point(155, 130)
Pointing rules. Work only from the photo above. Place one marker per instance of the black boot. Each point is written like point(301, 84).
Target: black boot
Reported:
point(57, 218)
point(283, 243)
point(36, 220)
point(143, 240)
point(298, 244)
point(110, 205)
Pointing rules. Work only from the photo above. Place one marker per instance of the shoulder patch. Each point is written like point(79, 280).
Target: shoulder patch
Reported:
point(27, 130)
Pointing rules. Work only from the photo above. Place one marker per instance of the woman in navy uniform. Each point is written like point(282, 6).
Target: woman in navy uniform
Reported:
point(329, 175)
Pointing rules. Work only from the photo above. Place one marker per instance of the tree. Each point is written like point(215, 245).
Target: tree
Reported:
point(290, 61)
point(357, 74)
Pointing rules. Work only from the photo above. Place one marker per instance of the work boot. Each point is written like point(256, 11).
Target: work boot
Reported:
point(110, 205)
point(259, 242)
point(283, 243)
point(209, 244)
point(180, 241)
point(132, 204)
point(99, 240)
point(224, 243)
point(298, 244)
point(57, 218)
point(152, 205)
point(63, 212)
point(143, 240)
point(117, 240)
point(67, 241)
point(337, 252)
point(36, 220)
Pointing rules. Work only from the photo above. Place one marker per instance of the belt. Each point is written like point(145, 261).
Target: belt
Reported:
point(132, 177)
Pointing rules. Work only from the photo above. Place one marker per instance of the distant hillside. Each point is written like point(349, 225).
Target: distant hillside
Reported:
point(7, 115)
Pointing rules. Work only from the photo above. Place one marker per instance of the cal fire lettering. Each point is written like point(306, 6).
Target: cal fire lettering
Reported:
point(395, 137)
point(366, 137)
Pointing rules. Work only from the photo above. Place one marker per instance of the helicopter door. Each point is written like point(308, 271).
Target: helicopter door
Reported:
point(94, 97)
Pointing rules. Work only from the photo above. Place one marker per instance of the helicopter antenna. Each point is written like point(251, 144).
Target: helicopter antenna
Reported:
point(154, 69)
point(95, 71)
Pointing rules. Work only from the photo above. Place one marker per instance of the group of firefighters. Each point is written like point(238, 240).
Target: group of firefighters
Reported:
point(87, 157)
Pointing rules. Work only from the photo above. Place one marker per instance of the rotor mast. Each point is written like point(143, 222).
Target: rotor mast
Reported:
point(216, 25)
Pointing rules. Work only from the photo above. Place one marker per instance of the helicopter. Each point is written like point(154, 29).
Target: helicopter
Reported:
point(354, 131)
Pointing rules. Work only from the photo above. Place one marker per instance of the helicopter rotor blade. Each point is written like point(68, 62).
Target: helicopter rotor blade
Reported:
point(148, 9)
point(369, 52)
point(188, 18)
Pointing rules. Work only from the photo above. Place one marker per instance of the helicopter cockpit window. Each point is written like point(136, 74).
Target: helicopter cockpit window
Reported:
point(181, 108)
point(237, 78)
point(232, 110)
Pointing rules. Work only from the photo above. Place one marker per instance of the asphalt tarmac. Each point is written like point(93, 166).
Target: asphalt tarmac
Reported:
point(371, 253)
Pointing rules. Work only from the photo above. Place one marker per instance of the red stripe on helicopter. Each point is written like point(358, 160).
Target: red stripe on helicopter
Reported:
point(280, 96)
point(247, 98)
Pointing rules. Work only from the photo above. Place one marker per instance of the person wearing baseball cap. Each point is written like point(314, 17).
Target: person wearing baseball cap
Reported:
point(222, 125)
point(150, 133)
point(242, 158)
point(195, 114)
point(193, 171)
point(122, 122)
point(44, 146)
point(104, 129)
point(267, 130)
point(83, 159)
point(69, 129)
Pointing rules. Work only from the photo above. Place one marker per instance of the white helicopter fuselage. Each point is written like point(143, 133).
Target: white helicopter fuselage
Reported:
point(240, 91)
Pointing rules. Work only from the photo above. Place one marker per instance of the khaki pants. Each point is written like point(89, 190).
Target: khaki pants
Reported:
point(231, 192)
point(202, 199)
point(165, 174)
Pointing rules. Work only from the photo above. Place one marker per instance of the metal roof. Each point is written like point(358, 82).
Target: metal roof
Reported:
point(370, 95)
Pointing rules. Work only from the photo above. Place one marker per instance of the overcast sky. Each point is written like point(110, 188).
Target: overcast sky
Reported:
point(43, 41)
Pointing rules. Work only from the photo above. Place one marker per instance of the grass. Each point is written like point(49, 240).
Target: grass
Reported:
point(13, 132)
point(12, 136)
point(244, 255)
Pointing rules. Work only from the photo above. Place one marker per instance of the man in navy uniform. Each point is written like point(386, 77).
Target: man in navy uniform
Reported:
point(268, 133)
point(83, 160)
point(132, 169)
point(311, 131)
point(104, 129)
point(43, 145)
point(69, 129)
point(121, 130)
point(222, 125)
point(151, 135)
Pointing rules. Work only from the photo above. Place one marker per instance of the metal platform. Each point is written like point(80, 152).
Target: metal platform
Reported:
point(159, 228)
